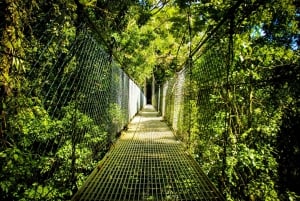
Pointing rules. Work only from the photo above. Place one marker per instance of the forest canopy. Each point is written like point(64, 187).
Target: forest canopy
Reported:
point(242, 59)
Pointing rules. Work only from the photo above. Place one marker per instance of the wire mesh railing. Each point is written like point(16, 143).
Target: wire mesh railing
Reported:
point(73, 102)
point(228, 110)
point(173, 104)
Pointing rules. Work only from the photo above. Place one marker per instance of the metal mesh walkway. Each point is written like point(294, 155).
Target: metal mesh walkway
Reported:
point(147, 163)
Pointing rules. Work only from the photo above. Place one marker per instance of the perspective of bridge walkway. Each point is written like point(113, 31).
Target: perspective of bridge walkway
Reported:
point(147, 163)
point(122, 101)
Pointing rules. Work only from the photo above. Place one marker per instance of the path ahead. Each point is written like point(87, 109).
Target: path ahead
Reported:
point(147, 163)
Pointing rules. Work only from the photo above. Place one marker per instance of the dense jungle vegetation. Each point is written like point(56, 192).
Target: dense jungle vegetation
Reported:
point(246, 52)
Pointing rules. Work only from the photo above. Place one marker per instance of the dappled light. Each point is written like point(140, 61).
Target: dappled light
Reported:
point(147, 163)
point(222, 78)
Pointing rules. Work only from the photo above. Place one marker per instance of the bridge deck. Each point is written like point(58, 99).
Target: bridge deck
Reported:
point(147, 163)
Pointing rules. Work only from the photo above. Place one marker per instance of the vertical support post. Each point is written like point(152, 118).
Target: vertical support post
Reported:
point(74, 136)
point(227, 116)
point(190, 61)
point(110, 97)
point(158, 99)
point(153, 96)
point(74, 142)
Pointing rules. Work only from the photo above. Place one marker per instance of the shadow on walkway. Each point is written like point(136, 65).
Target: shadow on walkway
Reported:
point(147, 163)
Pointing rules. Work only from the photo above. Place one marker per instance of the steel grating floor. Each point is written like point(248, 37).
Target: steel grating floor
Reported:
point(147, 163)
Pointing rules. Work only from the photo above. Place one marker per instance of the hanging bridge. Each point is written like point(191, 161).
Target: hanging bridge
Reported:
point(75, 126)
point(92, 134)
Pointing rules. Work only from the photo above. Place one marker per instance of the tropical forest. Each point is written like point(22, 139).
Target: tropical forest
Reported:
point(224, 74)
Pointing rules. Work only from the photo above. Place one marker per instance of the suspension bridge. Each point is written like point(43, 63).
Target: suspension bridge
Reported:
point(85, 116)
point(75, 126)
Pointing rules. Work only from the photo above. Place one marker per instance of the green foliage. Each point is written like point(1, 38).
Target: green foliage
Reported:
point(27, 165)
point(116, 115)
point(158, 47)
point(242, 110)
point(88, 3)
point(240, 126)
point(40, 157)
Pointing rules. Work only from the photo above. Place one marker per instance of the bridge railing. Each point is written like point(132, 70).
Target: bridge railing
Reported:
point(73, 103)
point(235, 111)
